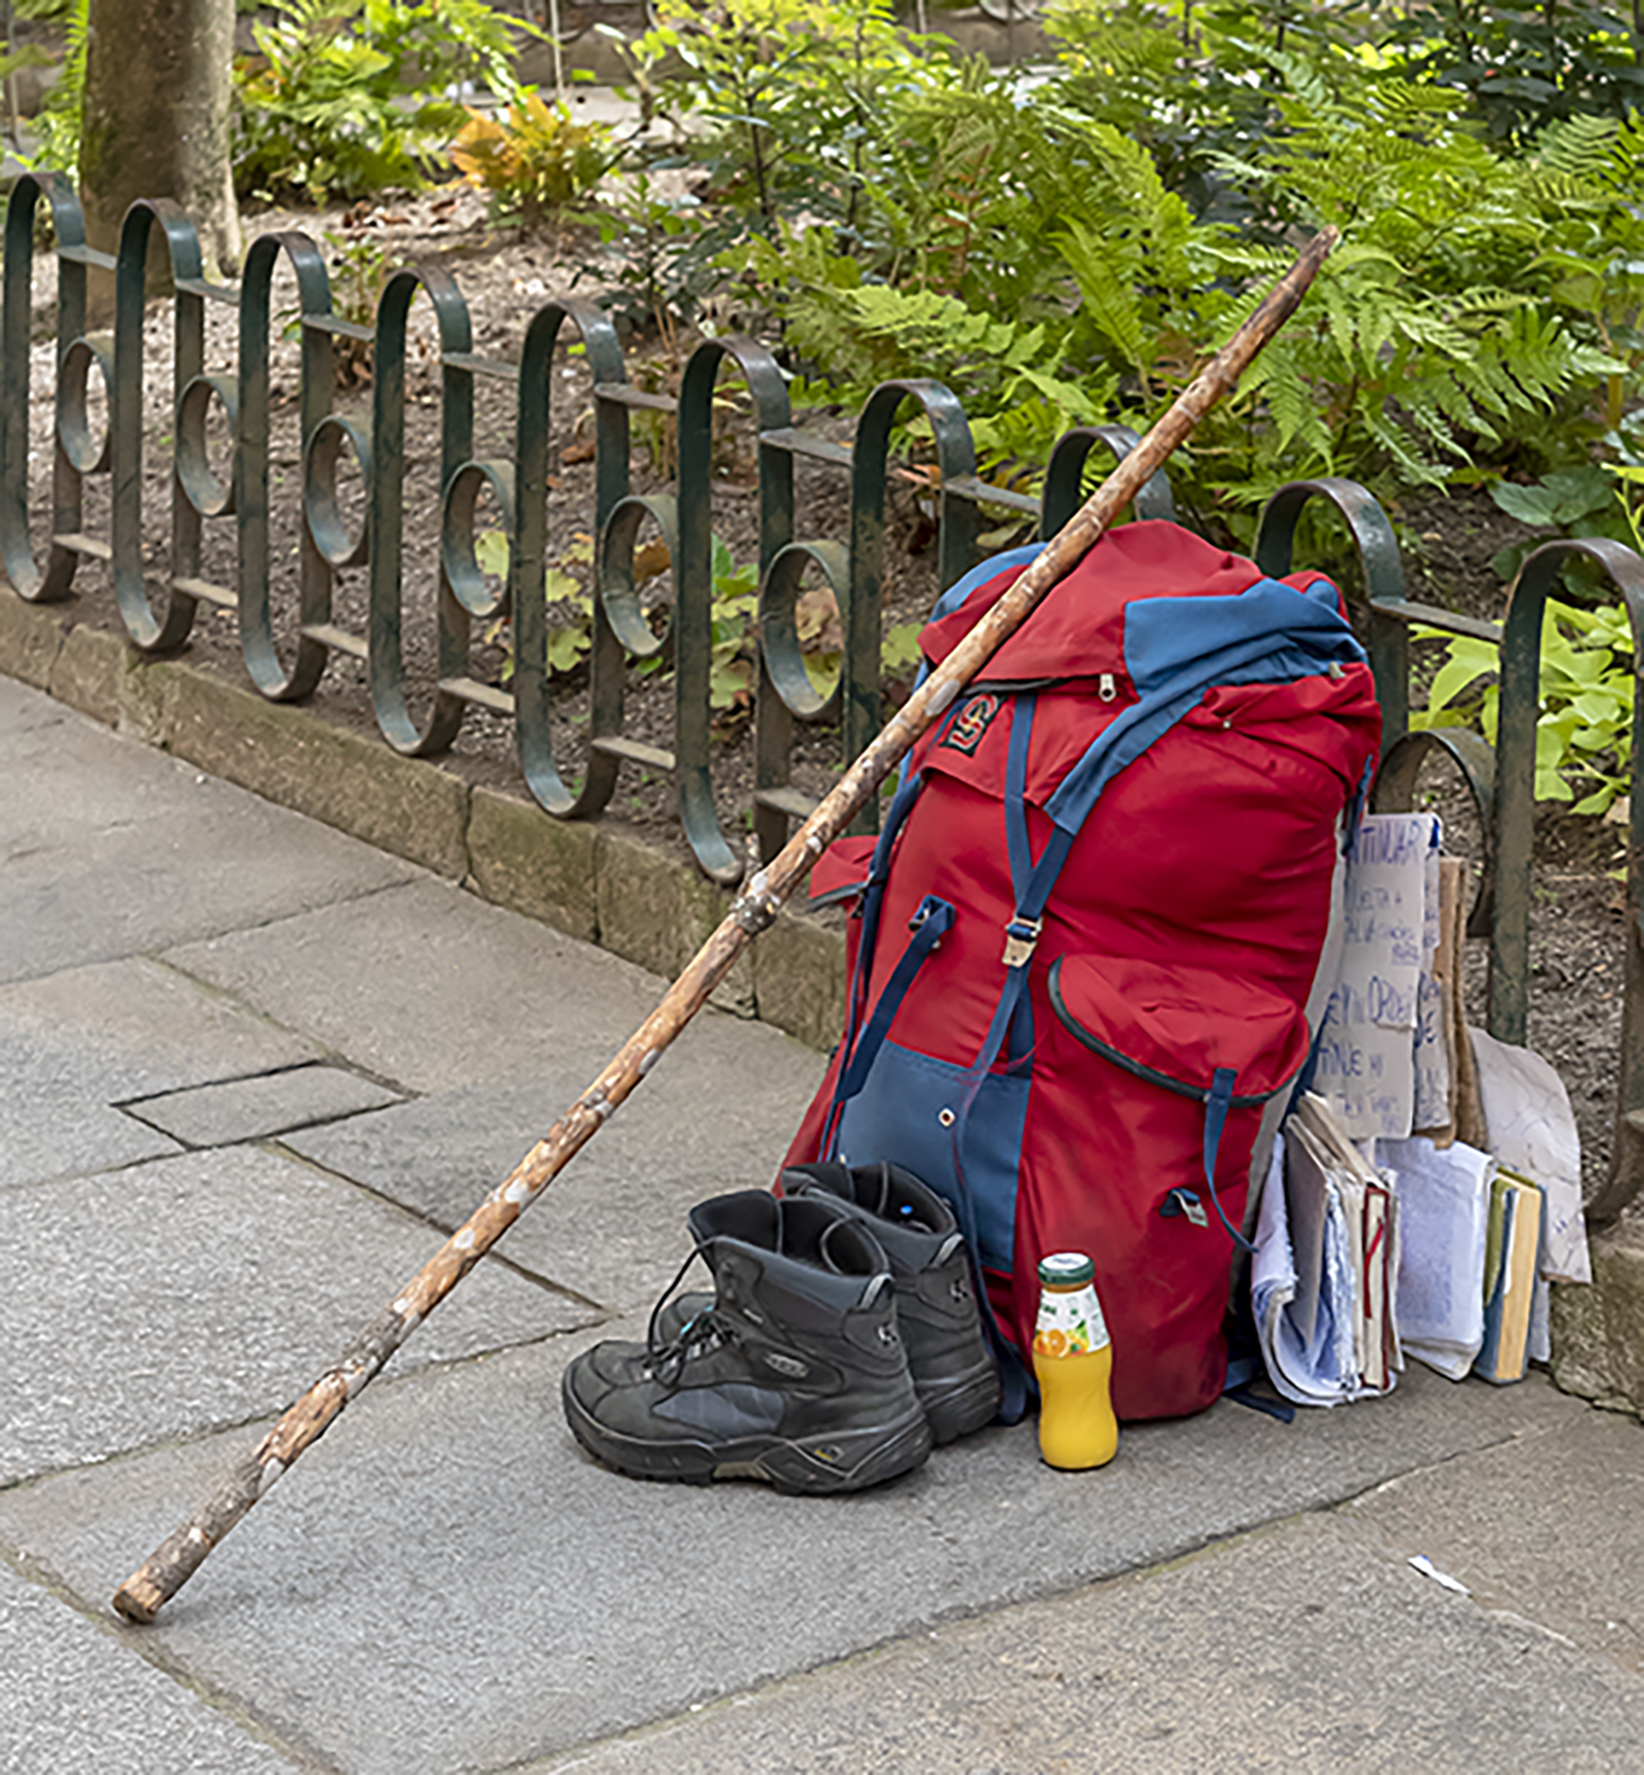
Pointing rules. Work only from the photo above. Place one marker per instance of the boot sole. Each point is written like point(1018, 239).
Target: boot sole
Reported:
point(809, 1466)
point(956, 1408)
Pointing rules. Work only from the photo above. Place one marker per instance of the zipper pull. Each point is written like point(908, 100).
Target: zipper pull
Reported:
point(1107, 687)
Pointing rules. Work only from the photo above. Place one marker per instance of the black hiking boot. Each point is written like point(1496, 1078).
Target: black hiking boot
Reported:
point(792, 1373)
point(954, 1372)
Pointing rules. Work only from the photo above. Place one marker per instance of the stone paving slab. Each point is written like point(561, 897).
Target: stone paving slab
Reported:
point(77, 1043)
point(189, 1293)
point(252, 1108)
point(1306, 1647)
point(612, 1225)
point(1555, 1533)
point(428, 986)
point(75, 1700)
point(111, 849)
point(523, 1600)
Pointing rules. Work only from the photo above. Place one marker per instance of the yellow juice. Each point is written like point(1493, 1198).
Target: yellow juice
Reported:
point(1073, 1363)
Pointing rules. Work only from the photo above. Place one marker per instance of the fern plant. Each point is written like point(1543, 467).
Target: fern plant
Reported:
point(57, 128)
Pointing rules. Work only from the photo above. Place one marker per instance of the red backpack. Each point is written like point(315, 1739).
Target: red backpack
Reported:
point(1083, 942)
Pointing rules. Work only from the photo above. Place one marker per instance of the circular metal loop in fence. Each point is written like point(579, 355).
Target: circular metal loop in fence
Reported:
point(778, 635)
point(529, 560)
point(618, 592)
point(1367, 523)
point(265, 655)
point(467, 579)
point(210, 497)
point(1064, 476)
point(326, 524)
point(430, 732)
point(166, 630)
point(87, 455)
point(16, 325)
point(1394, 791)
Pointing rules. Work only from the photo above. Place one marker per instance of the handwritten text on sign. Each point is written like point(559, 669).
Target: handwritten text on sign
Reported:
point(1366, 1065)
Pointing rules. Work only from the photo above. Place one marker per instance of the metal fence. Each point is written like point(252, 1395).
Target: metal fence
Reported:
point(158, 612)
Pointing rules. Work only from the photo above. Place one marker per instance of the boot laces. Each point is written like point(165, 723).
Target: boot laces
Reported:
point(665, 1359)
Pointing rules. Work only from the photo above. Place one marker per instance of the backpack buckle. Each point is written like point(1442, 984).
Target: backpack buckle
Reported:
point(928, 908)
point(1184, 1202)
point(1021, 937)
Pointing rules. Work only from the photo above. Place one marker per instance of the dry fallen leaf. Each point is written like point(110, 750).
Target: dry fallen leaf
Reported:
point(816, 621)
point(650, 559)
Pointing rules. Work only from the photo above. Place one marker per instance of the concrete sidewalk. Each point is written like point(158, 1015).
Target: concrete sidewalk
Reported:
point(254, 1067)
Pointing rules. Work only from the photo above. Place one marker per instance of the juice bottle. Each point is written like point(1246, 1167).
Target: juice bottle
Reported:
point(1073, 1362)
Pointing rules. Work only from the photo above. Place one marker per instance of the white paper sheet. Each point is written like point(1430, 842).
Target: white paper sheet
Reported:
point(1532, 1129)
point(1366, 1063)
point(1307, 1327)
point(1317, 1370)
point(1444, 1208)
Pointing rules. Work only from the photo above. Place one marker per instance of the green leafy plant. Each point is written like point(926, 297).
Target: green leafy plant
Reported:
point(349, 97)
point(1584, 730)
point(358, 268)
point(57, 128)
point(534, 160)
point(1573, 501)
point(1524, 65)
point(735, 625)
point(658, 260)
point(570, 603)
point(786, 100)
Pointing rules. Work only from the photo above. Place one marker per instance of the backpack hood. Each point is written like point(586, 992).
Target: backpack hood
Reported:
point(1078, 629)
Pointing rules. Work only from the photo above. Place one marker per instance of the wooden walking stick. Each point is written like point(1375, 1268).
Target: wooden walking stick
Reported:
point(170, 1566)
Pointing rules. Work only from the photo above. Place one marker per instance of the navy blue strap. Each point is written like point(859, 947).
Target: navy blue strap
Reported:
point(1031, 885)
point(1273, 1408)
point(872, 902)
point(1218, 1101)
point(873, 895)
point(929, 925)
point(1016, 763)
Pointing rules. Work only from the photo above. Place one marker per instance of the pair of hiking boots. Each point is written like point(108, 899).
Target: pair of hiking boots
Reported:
point(842, 1340)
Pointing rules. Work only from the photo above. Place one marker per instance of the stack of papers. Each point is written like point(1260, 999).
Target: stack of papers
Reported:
point(1444, 1206)
point(1324, 1280)
point(1445, 1244)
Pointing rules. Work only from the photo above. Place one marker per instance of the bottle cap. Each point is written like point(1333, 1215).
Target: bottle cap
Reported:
point(1066, 1269)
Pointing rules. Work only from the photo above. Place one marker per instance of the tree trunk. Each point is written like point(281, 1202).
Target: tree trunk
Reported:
point(156, 124)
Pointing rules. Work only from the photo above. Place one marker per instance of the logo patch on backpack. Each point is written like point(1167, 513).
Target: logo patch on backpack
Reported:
point(973, 722)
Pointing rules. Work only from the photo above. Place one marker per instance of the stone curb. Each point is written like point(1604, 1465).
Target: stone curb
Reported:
point(594, 882)
point(1598, 1331)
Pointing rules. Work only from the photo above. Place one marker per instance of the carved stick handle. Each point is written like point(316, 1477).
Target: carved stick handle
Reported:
point(170, 1566)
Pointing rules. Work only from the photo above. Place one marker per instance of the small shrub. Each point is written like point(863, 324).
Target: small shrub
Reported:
point(345, 98)
point(534, 160)
point(1584, 733)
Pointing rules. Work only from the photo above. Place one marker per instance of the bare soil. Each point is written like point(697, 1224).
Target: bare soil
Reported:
point(504, 277)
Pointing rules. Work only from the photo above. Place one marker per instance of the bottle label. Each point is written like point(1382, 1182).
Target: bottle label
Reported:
point(1069, 1324)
